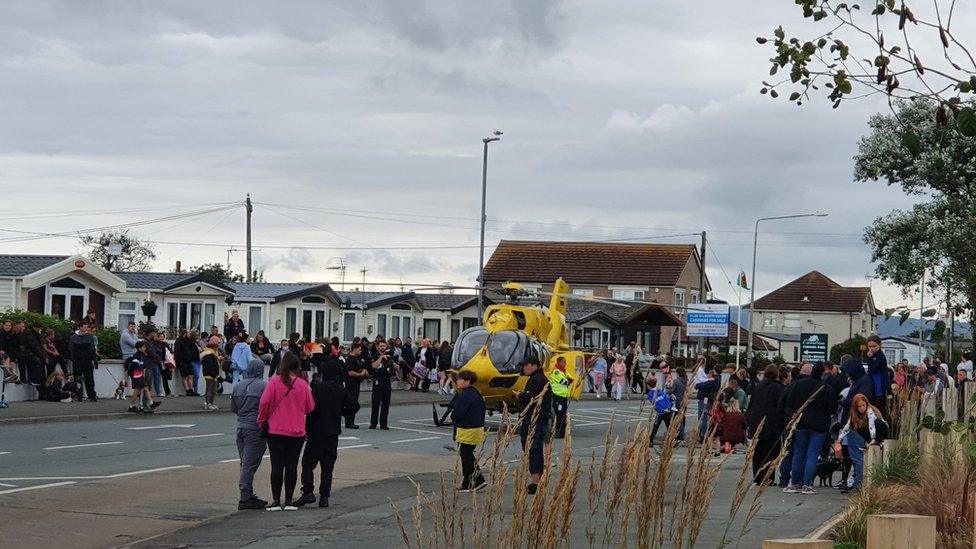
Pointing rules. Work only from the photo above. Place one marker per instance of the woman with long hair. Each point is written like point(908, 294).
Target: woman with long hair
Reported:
point(185, 353)
point(285, 401)
point(859, 432)
point(443, 365)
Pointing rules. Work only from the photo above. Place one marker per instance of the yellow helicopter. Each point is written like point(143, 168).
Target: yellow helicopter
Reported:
point(509, 334)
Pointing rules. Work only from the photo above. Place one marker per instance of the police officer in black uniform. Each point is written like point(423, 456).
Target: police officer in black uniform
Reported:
point(355, 370)
point(535, 422)
point(383, 370)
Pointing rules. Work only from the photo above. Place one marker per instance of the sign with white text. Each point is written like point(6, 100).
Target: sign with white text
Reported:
point(708, 320)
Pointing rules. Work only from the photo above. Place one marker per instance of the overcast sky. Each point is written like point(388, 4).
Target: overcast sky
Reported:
point(360, 123)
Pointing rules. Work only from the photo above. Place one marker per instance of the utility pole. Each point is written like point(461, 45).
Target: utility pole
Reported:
point(362, 293)
point(248, 210)
point(701, 290)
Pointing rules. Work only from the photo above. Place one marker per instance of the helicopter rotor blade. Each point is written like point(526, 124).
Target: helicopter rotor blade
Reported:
point(606, 301)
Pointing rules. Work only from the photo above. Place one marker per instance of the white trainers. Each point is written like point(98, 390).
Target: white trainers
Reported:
point(289, 508)
point(808, 491)
point(791, 489)
point(273, 507)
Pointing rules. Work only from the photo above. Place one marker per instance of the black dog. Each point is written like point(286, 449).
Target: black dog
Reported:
point(826, 469)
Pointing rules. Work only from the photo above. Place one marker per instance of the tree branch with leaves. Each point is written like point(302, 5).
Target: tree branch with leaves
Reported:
point(134, 254)
point(878, 49)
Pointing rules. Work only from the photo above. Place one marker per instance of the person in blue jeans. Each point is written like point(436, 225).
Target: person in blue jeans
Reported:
point(813, 401)
point(859, 432)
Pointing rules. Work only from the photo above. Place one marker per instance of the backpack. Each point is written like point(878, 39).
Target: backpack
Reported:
point(881, 429)
point(662, 402)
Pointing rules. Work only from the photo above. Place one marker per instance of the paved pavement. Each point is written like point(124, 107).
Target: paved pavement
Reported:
point(109, 408)
point(170, 481)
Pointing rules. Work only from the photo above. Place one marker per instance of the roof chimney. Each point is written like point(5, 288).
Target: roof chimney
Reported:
point(179, 266)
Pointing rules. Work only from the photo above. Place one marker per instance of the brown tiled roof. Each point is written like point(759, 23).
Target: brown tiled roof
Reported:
point(588, 262)
point(822, 295)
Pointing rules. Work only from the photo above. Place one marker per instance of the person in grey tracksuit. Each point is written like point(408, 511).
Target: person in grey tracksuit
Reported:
point(250, 444)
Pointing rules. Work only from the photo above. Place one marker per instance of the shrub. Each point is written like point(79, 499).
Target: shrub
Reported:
point(900, 467)
point(108, 343)
point(59, 325)
point(848, 545)
point(872, 500)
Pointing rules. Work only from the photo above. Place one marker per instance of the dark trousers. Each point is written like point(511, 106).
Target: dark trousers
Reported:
point(381, 405)
point(664, 418)
point(560, 407)
point(250, 447)
point(637, 380)
point(85, 376)
point(352, 403)
point(608, 383)
point(766, 451)
point(466, 451)
point(537, 462)
point(322, 451)
point(285, 452)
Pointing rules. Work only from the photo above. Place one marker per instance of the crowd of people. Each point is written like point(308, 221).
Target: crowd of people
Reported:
point(60, 369)
point(826, 415)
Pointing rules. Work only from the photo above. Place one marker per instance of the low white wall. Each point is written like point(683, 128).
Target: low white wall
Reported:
point(107, 378)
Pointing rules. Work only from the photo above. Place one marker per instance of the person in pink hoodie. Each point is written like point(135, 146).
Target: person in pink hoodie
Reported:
point(281, 414)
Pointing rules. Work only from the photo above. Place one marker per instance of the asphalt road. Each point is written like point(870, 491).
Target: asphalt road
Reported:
point(128, 481)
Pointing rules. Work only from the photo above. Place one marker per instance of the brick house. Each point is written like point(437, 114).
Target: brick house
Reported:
point(663, 274)
point(813, 303)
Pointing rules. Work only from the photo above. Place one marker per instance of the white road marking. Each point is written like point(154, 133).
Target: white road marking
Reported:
point(355, 446)
point(38, 487)
point(147, 471)
point(8, 485)
point(348, 438)
point(418, 431)
point(168, 426)
point(413, 440)
point(4, 453)
point(229, 460)
point(191, 436)
point(84, 445)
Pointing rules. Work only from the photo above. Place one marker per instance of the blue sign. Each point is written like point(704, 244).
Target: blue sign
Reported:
point(708, 320)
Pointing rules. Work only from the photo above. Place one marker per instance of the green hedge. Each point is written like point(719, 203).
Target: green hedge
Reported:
point(108, 338)
point(60, 325)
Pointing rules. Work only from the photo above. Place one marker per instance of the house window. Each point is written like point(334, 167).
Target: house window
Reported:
point(209, 316)
point(455, 329)
point(584, 292)
point(348, 326)
point(626, 293)
point(890, 355)
point(291, 320)
point(127, 313)
point(796, 354)
point(381, 324)
point(769, 320)
point(406, 327)
point(253, 319)
point(791, 320)
point(469, 322)
point(679, 302)
point(432, 329)
point(695, 297)
point(395, 327)
point(639, 295)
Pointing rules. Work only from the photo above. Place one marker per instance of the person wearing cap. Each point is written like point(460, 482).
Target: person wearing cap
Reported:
point(323, 427)
point(559, 384)
point(535, 403)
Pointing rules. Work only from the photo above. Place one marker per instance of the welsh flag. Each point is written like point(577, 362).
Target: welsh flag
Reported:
point(742, 283)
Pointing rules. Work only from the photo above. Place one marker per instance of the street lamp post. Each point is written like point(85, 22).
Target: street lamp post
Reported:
point(495, 136)
point(752, 292)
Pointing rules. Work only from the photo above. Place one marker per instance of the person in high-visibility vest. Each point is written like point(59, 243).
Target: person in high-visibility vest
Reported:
point(559, 384)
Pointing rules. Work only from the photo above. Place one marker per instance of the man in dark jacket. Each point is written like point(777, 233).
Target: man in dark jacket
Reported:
point(355, 370)
point(32, 353)
point(383, 371)
point(707, 393)
point(535, 405)
point(764, 409)
point(468, 415)
point(250, 445)
point(815, 403)
point(323, 426)
point(81, 347)
point(861, 384)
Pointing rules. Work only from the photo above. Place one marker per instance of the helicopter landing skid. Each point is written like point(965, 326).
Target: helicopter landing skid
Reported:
point(441, 420)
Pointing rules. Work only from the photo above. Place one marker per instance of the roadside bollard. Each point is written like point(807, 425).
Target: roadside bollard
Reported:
point(797, 544)
point(901, 532)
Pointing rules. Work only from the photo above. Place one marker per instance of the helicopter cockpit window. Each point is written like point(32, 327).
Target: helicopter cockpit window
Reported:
point(468, 344)
point(506, 349)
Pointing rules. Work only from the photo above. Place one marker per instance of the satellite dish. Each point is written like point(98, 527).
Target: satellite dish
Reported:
point(114, 249)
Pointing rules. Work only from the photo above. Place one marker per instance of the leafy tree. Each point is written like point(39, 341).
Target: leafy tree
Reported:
point(850, 346)
point(136, 255)
point(935, 237)
point(217, 273)
point(876, 50)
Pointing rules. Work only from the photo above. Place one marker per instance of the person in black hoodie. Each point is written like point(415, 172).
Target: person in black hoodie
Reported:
point(764, 409)
point(468, 415)
point(861, 384)
point(81, 346)
point(323, 427)
point(382, 370)
point(815, 403)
